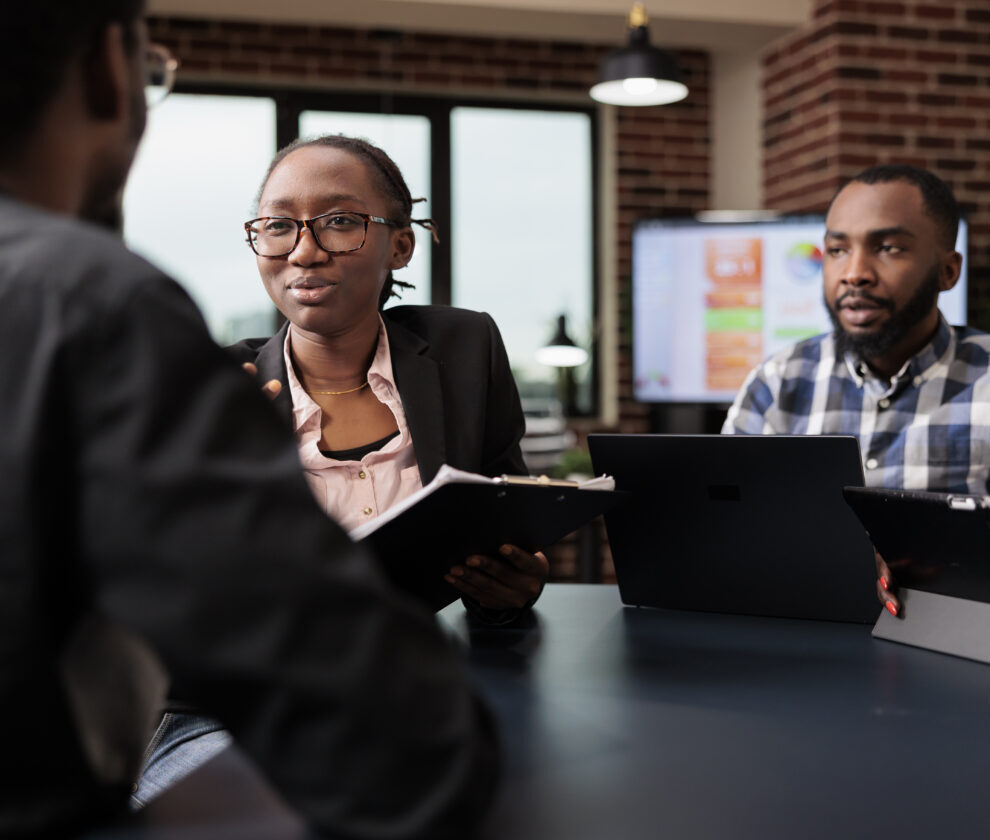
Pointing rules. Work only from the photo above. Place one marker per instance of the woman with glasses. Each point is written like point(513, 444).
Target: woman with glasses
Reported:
point(378, 398)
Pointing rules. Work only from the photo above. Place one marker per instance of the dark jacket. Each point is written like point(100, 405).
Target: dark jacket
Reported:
point(454, 380)
point(154, 520)
point(457, 392)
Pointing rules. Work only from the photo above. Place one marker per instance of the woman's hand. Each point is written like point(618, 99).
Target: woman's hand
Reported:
point(885, 586)
point(511, 580)
point(271, 389)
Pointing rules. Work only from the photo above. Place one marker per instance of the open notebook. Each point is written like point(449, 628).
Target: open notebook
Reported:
point(461, 513)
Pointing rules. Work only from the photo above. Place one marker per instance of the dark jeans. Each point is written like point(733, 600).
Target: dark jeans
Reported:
point(181, 743)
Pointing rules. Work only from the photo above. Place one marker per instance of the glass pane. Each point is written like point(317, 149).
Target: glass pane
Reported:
point(405, 139)
point(522, 232)
point(205, 155)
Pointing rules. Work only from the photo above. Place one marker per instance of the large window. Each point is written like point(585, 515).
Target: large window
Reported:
point(522, 229)
point(510, 187)
point(192, 187)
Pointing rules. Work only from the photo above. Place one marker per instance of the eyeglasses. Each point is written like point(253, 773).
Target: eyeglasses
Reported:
point(335, 233)
point(159, 74)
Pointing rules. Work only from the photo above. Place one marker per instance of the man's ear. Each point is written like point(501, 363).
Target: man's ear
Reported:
point(106, 75)
point(949, 271)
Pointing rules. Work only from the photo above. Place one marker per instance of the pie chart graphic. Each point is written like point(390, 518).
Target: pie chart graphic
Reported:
point(804, 261)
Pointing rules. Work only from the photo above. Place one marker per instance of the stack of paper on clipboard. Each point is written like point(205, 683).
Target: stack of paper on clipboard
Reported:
point(460, 513)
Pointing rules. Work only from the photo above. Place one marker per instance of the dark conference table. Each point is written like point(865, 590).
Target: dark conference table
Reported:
point(635, 723)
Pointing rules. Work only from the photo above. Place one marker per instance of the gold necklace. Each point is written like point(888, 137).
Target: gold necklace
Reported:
point(338, 393)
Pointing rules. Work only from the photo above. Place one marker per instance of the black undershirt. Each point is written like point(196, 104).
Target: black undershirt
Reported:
point(358, 452)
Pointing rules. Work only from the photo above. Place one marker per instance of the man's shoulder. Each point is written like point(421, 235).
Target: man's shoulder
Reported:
point(971, 357)
point(972, 337)
point(62, 254)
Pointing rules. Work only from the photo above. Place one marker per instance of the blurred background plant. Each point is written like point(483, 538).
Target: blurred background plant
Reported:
point(573, 462)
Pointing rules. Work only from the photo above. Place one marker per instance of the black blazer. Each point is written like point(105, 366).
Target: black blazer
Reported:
point(454, 380)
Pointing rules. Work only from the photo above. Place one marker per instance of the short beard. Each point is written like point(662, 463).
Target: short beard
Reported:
point(898, 325)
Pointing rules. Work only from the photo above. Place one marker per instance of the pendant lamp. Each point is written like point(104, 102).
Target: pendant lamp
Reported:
point(561, 351)
point(639, 74)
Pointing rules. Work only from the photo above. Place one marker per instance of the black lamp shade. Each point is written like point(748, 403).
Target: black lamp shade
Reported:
point(561, 351)
point(639, 74)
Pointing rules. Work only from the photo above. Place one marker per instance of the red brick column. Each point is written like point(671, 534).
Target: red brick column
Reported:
point(884, 81)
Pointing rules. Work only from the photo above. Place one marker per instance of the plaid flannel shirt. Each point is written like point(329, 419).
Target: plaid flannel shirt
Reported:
point(926, 429)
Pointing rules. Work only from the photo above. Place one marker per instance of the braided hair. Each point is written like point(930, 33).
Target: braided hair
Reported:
point(387, 178)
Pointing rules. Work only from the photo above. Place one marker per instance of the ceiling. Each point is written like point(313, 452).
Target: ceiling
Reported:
point(715, 25)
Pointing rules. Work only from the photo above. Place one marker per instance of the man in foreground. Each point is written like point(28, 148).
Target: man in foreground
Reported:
point(157, 531)
point(912, 388)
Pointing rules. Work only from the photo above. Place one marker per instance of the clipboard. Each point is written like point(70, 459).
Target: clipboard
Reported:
point(937, 546)
point(459, 514)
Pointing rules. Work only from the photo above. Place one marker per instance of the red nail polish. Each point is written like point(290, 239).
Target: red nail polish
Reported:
point(884, 584)
point(891, 608)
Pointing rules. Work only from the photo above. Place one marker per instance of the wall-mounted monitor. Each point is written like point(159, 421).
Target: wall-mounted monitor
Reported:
point(712, 300)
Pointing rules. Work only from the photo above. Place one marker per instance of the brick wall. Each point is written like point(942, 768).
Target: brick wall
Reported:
point(662, 168)
point(884, 81)
point(662, 154)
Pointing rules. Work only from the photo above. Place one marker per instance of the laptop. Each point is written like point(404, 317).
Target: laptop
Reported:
point(746, 524)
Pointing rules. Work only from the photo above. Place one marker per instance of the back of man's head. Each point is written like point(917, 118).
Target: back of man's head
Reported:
point(936, 197)
point(39, 41)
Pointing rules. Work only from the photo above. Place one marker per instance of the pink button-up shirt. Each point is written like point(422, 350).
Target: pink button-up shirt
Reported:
point(352, 492)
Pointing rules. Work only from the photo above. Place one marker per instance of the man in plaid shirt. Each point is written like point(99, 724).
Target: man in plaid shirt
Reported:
point(914, 390)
